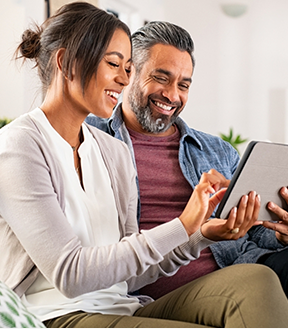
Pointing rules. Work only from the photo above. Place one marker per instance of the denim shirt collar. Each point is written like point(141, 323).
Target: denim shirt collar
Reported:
point(116, 120)
point(187, 132)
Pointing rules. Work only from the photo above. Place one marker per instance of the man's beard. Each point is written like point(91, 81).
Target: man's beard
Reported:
point(149, 122)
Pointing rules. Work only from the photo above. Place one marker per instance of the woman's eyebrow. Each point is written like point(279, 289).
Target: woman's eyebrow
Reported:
point(120, 55)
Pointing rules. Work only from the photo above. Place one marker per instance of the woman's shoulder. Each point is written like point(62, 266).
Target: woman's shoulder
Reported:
point(110, 143)
point(115, 152)
point(19, 131)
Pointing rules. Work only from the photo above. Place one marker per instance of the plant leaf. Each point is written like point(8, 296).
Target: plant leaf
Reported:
point(234, 141)
point(7, 320)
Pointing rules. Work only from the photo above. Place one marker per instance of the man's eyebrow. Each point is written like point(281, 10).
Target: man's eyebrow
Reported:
point(120, 55)
point(169, 74)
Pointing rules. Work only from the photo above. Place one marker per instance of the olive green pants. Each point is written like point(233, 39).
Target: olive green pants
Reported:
point(239, 296)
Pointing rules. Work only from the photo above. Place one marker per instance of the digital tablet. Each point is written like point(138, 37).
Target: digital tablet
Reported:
point(264, 169)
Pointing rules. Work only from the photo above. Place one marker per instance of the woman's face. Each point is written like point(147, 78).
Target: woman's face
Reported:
point(104, 88)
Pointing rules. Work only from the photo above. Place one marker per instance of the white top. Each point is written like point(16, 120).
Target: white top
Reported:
point(36, 231)
point(93, 215)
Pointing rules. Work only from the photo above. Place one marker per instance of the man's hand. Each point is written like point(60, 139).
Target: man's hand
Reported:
point(281, 228)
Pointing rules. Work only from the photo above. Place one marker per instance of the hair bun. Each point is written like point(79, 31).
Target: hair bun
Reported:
point(30, 45)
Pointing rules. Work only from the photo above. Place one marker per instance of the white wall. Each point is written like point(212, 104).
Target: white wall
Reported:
point(20, 89)
point(241, 73)
point(136, 12)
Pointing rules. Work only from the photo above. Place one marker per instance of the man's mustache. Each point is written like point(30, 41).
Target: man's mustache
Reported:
point(162, 99)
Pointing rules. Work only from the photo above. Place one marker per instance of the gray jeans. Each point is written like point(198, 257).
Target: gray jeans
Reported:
point(239, 296)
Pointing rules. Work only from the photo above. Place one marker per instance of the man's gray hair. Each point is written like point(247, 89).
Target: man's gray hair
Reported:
point(159, 32)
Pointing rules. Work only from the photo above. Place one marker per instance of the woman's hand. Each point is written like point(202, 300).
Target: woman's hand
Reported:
point(281, 227)
point(240, 220)
point(201, 206)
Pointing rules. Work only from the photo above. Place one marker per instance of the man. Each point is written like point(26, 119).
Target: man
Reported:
point(170, 157)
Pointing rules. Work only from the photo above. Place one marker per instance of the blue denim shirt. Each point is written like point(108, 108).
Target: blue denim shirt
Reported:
point(198, 153)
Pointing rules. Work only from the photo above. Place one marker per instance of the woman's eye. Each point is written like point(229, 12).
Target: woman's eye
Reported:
point(128, 71)
point(113, 64)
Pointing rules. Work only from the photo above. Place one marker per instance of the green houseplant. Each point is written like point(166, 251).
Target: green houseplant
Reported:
point(235, 141)
point(4, 121)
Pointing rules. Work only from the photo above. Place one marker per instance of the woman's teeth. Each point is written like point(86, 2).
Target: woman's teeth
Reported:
point(112, 94)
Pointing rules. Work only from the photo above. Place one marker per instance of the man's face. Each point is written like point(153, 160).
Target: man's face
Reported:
point(158, 93)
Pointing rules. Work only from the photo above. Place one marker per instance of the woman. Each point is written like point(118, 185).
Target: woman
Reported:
point(68, 201)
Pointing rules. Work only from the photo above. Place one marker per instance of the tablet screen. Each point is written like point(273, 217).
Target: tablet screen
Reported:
point(264, 169)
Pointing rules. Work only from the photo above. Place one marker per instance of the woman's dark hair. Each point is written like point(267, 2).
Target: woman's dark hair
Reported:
point(82, 29)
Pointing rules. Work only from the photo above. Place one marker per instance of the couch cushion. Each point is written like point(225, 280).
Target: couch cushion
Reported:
point(13, 314)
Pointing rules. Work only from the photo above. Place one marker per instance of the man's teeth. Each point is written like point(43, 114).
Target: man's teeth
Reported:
point(165, 107)
point(112, 93)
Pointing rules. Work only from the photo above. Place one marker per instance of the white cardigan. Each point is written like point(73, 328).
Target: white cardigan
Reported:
point(36, 236)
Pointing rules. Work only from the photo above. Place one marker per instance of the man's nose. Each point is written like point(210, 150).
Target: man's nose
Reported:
point(171, 92)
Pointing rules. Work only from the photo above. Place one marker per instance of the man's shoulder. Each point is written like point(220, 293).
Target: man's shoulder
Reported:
point(201, 138)
point(110, 125)
point(97, 122)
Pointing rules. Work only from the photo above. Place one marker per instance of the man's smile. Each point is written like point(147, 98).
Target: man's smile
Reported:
point(163, 108)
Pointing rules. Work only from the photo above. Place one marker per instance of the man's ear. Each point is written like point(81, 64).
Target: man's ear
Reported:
point(132, 74)
point(132, 69)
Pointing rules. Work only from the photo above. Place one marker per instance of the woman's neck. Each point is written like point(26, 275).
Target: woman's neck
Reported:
point(65, 119)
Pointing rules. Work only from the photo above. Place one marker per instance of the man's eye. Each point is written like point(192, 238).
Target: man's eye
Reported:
point(184, 86)
point(160, 79)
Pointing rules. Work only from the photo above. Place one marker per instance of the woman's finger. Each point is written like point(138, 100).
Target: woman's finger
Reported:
point(222, 180)
point(246, 214)
point(252, 212)
point(241, 211)
point(256, 210)
point(216, 179)
point(214, 201)
point(250, 208)
point(231, 221)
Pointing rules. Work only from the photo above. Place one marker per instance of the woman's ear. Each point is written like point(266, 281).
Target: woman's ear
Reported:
point(59, 58)
point(59, 63)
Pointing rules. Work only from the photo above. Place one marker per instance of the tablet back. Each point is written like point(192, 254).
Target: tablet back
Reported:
point(264, 169)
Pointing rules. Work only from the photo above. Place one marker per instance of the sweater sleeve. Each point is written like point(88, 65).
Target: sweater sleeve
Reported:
point(171, 263)
point(31, 203)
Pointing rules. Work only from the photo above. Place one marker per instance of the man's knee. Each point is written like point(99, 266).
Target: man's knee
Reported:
point(258, 280)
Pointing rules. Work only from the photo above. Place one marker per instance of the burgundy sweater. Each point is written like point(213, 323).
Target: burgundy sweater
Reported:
point(164, 192)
